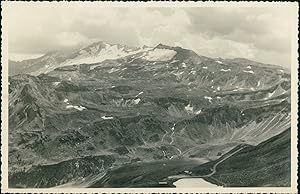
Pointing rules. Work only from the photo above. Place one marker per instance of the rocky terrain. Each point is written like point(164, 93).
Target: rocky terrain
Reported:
point(116, 116)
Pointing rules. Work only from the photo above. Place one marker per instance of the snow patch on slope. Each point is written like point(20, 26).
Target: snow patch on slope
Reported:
point(189, 108)
point(80, 108)
point(192, 72)
point(160, 55)
point(136, 101)
point(208, 98)
point(225, 70)
point(198, 112)
point(106, 118)
point(258, 84)
point(140, 93)
point(252, 72)
point(56, 83)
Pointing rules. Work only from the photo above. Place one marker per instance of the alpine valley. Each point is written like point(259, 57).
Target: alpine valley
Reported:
point(111, 115)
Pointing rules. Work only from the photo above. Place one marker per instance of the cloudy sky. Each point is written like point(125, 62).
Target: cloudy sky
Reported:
point(259, 33)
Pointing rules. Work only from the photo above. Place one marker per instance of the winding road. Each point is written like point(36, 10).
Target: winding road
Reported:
point(213, 169)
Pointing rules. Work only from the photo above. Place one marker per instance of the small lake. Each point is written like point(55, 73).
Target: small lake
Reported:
point(193, 182)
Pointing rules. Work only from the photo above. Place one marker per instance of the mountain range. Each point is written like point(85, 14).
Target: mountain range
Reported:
point(111, 115)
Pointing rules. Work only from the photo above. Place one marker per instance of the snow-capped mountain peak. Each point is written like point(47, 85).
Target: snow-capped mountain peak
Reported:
point(94, 53)
point(100, 51)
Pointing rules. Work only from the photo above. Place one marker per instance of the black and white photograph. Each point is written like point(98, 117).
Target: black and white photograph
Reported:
point(153, 95)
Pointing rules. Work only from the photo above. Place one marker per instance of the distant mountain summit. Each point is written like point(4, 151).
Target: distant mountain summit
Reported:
point(94, 53)
point(100, 51)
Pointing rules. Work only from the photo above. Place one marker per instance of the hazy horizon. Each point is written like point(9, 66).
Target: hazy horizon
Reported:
point(258, 33)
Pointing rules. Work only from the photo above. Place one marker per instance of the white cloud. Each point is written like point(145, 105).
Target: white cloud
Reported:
point(69, 39)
